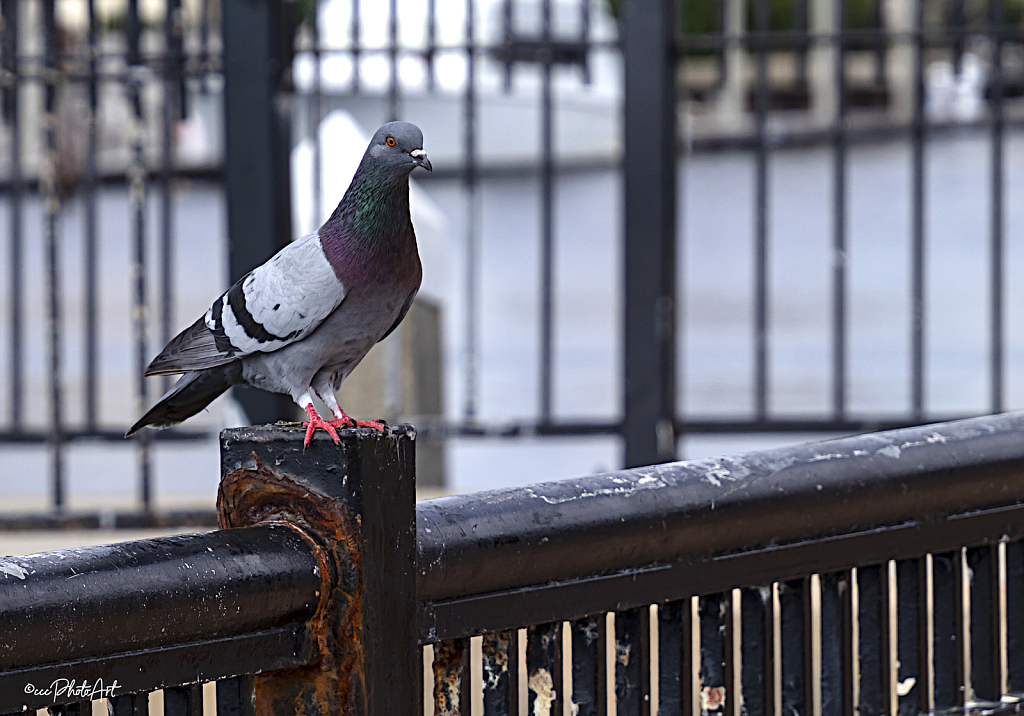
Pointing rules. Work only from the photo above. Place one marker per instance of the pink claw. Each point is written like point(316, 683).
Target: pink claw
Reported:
point(315, 421)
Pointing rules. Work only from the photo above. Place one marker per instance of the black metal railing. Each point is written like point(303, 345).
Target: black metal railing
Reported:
point(877, 574)
point(80, 127)
point(712, 53)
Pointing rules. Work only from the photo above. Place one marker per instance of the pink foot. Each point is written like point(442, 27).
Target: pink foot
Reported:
point(315, 421)
point(346, 422)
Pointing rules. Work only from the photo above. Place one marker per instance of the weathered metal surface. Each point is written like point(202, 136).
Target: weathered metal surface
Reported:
point(234, 696)
point(756, 650)
point(355, 501)
point(544, 669)
point(1015, 615)
point(451, 678)
point(282, 648)
point(947, 617)
point(500, 670)
point(795, 633)
point(911, 635)
point(714, 652)
point(184, 701)
point(59, 606)
point(673, 656)
point(836, 644)
point(986, 667)
point(589, 665)
point(872, 643)
point(130, 705)
point(623, 520)
point(633, 662)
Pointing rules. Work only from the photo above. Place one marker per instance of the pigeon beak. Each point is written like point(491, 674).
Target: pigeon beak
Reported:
point(421, 159)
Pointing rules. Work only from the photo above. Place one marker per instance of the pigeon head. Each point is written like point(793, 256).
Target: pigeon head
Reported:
point(398, 147)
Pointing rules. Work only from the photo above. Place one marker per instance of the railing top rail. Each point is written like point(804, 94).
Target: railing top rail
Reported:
point(60, 606)
point(514, 538)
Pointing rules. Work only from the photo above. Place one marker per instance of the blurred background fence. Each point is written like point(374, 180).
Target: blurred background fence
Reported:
point(755, 222)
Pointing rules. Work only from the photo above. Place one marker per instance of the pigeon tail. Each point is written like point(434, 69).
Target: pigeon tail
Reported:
point(194, 391)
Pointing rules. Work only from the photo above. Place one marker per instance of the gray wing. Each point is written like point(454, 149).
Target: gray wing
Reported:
point(276, 304)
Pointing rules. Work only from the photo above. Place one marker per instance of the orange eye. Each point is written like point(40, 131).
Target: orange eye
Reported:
point(391, 141)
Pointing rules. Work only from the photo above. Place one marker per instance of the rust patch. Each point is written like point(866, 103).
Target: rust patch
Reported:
point(494, 649)
point(712, 698)
point(251, 496)
point(448, 662)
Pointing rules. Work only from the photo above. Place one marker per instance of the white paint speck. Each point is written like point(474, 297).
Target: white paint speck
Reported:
point(892, 451)
point(12, 570)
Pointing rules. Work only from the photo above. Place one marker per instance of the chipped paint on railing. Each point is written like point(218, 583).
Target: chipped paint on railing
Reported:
point(494, 650)
point(10, 569)
point(541, 684)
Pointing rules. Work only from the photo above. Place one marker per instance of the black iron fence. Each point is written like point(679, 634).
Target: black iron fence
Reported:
point(877, 574)
point(756, 78)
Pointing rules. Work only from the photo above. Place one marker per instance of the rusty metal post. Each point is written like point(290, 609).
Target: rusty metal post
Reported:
point(357, 503)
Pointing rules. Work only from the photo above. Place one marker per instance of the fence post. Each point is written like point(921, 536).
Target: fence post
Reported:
point(358, 502)
point(257, 145)
point(650, 231)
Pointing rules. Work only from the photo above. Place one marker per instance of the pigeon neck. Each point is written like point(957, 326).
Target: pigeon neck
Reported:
point(374, 209)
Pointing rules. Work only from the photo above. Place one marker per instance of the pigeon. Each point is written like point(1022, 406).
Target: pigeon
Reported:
point(301, 322)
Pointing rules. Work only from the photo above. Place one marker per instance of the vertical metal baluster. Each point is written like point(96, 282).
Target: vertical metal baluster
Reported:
point(872, 642)
point(431, 43)
point(917, 307)
point(879, 41)
point(393, 88)
point(507, 21)
point(500, 655)
point(89, 197)
point(184, 701)
point(137, 209)
point(958, 28)
point(544, 668)
point(589, 670)
point(138, 705)
point(995, 10)
point(1015, 616)
point(761, 217)
point(547, 190)
point(910, 648)
point(984, 619)
point(231, 694)
point(172, 66)
point(316, 115)
point(632, 662)
point(673, 666)
point(585, 40)
point(354, 31)
point(451, 678)
point(756, 611)
point(10, 31)
point(204, 40)
point(947, 628)
point(837, 668)
point(714, 611)
point(839, 222)
point(51, 211)
point(802, 43)
point(472, 219)
point(794, 602)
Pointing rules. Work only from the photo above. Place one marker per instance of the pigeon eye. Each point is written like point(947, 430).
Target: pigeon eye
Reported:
point(391, 141)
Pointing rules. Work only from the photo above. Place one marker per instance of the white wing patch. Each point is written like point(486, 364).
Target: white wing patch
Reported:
point(280, 302)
